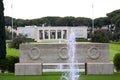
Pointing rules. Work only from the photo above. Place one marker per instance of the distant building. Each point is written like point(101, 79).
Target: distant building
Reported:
point(52, 32)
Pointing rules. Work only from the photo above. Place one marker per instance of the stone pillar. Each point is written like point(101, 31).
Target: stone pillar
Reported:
point(28, 69)
point(49, 34)
point(100, 68)
point(38, 35)
point(61, 34)
point(66, 34)
point(43, 34)
point(56, 34)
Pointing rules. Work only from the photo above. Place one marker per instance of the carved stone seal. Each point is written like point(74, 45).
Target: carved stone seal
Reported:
point(63, 53)
point(34, 53)
point(93, 53)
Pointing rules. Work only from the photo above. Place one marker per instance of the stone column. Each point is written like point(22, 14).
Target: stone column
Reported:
point(38, 35)
point(61, 34)
point(66, 34)
point(49, 34)
point(43, 34)
point(56, 34)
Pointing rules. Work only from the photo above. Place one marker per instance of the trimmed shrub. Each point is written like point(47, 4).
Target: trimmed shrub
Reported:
point(100, 36)
point(116, 61)
point(19, 40)
point(116, 37)
point(8, 64)
point(3, 65)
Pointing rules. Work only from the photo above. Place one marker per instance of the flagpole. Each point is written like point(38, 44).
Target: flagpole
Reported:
point(12, 18)
point(92, 18)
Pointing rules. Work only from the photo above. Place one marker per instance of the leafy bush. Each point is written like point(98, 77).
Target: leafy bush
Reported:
point(116, 61)
point(18, 40)
point(116, 37)
point(100, 36)
point(8, 63)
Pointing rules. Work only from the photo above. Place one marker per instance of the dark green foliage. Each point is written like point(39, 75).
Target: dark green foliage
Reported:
point(115, 19)
point(66, 21)
point(8, 63)
point(19, 40)
point(100, 36)
point(81, 40)
point(2, 32)
point(116, 61)
point(102, 21)
point(116, 36)
point(50, 21)
point(8, 21)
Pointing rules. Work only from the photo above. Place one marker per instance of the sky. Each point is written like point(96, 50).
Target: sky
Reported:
point(31, 9)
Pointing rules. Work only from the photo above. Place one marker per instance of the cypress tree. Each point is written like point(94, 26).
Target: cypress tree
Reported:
point(2, 32)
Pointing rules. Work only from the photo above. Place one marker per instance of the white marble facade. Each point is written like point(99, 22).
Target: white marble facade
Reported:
point(52, 32)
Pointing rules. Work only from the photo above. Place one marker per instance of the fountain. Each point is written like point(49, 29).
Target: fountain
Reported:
point(72, 73)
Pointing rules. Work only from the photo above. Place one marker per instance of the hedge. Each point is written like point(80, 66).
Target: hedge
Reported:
point(116, 61)
point(8, 63)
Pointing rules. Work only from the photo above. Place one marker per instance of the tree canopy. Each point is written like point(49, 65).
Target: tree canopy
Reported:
point(2, 32)
point(102, 21)
point(114, 17)
point(49, 21)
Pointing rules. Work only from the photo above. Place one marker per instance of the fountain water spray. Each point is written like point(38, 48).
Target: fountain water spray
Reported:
point(72, 74)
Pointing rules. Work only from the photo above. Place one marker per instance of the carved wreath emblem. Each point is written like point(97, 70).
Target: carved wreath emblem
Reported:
point(93, 53)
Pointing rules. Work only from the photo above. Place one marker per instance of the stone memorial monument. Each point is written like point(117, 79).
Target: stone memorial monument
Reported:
point(35, 57)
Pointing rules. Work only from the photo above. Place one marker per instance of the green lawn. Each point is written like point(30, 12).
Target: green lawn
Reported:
point(115, 76)
point(114, 48)
point(12, 51)
point(57, 75)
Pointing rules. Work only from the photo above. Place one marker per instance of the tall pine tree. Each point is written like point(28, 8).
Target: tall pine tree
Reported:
point(2, 32)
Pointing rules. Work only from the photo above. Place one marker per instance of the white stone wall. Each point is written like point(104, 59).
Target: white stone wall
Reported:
point(58, 53)
point(28, 30)
point(80, 32)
